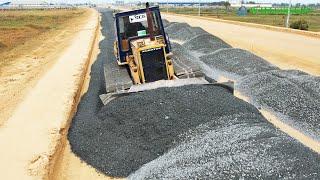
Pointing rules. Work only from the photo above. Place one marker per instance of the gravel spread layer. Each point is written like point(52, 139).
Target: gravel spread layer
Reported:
point(239, 146)
point(204, 44)
point(184, 64)
point(292, 95)
point(235, 63)
point(195, 131)
point(136, 129)
point(186, 33)
point(165, 22)
point(175, 27)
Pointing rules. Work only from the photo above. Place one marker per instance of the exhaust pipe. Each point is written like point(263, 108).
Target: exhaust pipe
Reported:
point(150, 23)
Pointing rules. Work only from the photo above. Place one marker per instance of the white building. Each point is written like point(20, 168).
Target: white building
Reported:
point(237, 3)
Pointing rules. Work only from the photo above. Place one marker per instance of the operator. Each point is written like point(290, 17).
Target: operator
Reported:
point(131, 29)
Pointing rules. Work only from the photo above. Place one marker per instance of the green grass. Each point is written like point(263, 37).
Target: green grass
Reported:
point(17, 26)
point(49, 19)
point(313, 18)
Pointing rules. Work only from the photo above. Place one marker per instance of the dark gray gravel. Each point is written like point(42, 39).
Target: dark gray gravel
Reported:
point(200, 129)
point(235, 63)
point(186, 33)
point(239, 146)
point(204, 44)
point(185, 65)
point(292, 95)
point(166, 23)
point(138, 128)
point(90, 103)
point(133, 130)
point(175, 27)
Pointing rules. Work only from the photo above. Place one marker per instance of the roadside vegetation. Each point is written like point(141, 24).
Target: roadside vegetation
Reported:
point(312, 20)
point(17, 27)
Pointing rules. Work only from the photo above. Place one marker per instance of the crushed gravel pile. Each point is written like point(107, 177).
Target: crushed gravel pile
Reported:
point(239, 146)
point(204, 44)
point(181, 53)
point(178, 49)
point(133, 130)
point(186, 34)
point(175, 27)
point(166, 23)
point(185, 65)
point(234, 63)
point(292, 95)
point(192, 131)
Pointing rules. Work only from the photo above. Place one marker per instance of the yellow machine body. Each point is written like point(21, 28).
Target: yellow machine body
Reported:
point(157, 57)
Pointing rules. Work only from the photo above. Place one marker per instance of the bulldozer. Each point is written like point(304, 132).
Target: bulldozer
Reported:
point(144, 59)
point(142, 45)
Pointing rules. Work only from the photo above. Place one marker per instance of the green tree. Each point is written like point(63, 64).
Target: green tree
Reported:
point(300, 24)
point(226, 4)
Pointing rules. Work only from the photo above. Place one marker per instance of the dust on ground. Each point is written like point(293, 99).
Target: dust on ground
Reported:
point(31, 42)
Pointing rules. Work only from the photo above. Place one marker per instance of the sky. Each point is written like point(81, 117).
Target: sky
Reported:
point(104, 1)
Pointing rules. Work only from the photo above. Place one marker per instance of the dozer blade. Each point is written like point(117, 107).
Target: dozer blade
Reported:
point(106, 98)
point(167, 83)
point(229, 86)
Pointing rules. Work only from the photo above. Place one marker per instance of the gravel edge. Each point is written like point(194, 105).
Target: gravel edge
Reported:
point(58, 145)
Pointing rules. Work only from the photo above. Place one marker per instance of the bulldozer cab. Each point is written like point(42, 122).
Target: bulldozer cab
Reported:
point(133, 25)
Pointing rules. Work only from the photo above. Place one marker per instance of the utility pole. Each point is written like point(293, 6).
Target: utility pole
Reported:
point(199, 13)
point(167, 6)
point(288, 16)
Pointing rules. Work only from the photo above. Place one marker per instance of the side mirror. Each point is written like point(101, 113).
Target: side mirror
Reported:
point(115, 49)
point(168, 41)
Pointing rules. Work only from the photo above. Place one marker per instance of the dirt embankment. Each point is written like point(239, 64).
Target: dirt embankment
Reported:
point(32, 139)
point(32, 43)
point(68, 165)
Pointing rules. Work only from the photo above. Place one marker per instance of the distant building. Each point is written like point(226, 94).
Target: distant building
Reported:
point(34, 4)
point(238, 5)
point(119, 2)
point(242, 11)
point(185, 3)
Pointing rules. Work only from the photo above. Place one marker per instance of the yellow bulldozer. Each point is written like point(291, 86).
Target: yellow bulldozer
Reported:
point(143, 56)
point(142, 45)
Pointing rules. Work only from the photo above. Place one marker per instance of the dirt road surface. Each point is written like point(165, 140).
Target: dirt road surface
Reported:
point(30, 139)
point(31, 60)
point(286, 50)
point(69, 166)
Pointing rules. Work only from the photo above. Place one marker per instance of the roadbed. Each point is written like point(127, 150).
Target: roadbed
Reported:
point(32, 136)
